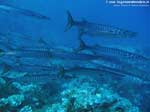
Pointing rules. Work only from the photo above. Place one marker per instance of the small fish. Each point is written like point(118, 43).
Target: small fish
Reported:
point(93, 29)
point(12, 9)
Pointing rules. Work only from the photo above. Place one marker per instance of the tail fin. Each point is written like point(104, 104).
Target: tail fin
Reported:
point(61, 72)
point(82, 44)
point(70, 21)
point(2, 52)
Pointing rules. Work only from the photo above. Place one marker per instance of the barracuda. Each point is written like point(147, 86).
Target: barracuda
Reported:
point(102, 70)
point(94, 29)
point(50, 54)
point(30, 68)
point(16, 10)
point(34, 78)
point(114, 52)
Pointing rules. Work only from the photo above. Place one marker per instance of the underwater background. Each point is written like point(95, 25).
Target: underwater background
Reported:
point(84, 92)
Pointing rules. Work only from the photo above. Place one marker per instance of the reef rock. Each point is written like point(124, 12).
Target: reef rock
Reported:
point(87, 97)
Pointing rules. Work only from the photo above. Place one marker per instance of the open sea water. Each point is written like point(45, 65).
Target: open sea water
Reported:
point(31, 45)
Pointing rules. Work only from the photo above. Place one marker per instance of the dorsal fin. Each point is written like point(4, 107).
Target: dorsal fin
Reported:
point(82, 44)
point(42, 41)
point(61, 72)
point(2, 52)
point(17, 61)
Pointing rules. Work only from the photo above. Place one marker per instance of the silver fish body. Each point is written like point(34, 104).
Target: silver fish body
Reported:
point(94, 29)
point(33, 78)
point(103, 70)
point(29, 68)
point(50, 54)
point(113, 52)
point(16, 10)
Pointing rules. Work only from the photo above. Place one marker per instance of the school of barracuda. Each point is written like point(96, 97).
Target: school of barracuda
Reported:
point(44, 64)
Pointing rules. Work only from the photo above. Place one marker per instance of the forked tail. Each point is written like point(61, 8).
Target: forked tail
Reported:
point(70, 21)
point(82, 44)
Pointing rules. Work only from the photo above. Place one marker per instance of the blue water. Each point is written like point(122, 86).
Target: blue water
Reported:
point(136, 19)
point(132, 18)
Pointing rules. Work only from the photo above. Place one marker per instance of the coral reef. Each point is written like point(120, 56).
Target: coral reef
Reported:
point(15, 97)
point(81, 96)
point(2, 82)
point(13, 101)
point(26, 109)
